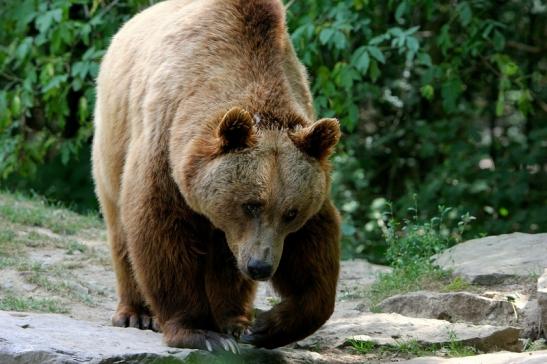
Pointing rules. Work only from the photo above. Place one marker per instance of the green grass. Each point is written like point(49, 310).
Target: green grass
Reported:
point(12, 303)
point(404, 279)
point(76, 246)
point(61, 288)
point(457, 284)
point(19, 209)
point(413, 348)
point(8, 246)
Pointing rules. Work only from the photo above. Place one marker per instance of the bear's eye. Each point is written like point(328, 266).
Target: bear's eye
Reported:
point(252, 209)
point(290, 215)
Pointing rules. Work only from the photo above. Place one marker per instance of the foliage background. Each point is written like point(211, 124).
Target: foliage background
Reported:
point(441, 102)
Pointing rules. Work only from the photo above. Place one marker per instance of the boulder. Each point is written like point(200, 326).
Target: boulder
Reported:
point(389, 329)
point(495, 259)
point(453, 307)
point(542, 301)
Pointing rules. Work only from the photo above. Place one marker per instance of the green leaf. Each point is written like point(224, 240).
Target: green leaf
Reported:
point(499, 41)
point(377, 54)
point(413, 44)
point(361, 60)
point(465, 13)
point(425, 59)
point(427, 91)
point(450, 92)
point(339, 39)
point(24, 48)
point(325, 35)
point(400, 12)
point(374, 71)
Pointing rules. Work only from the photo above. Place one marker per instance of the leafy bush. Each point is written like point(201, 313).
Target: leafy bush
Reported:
point(49, 59)
point(442, 99)
point(417, 241)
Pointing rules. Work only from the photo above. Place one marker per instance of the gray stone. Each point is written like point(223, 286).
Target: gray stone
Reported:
point(52, 339)
point(491, 308)
point(534, 357)
point(389, 329)
point(452, 306)
point(495, 259)
point(542, 301)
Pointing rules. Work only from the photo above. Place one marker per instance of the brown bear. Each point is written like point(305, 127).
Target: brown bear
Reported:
point(212, 174)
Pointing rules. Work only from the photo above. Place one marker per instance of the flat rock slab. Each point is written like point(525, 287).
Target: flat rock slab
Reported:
point(494, 259)
point(534, 357)
point(390, 329)
point(453, 307)
point(51, 339)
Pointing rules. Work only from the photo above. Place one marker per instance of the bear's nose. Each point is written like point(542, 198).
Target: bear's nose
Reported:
point(258, 269)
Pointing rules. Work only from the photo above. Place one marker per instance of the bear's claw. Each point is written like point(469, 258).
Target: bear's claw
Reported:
point(220, 343)
point(201, 339)
point(136, 320)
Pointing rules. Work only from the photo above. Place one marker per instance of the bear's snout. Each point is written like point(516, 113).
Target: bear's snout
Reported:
point(259, 270)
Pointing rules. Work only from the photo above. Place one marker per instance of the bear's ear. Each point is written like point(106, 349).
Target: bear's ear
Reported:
point(235, 130)
point(318, 140)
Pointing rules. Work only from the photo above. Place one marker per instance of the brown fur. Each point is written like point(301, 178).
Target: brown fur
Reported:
point(206, 155)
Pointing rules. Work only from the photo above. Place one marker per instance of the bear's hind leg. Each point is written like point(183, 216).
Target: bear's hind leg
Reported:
point(131, 310)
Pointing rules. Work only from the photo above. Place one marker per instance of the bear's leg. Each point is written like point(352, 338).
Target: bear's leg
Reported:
point(230, 293)
point(306, 280)
point(166, 242)
point(131, 310)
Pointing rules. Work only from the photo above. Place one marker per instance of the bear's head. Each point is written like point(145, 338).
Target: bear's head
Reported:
point(258, 185)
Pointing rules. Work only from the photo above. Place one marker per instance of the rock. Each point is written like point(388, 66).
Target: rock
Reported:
point(494, 259)
point(530, 320)
point(535, 357)
point(355, 276)
point(542, 301)
point(490, 308)
point(388, 329)
point(50, 339)
point(452, 307)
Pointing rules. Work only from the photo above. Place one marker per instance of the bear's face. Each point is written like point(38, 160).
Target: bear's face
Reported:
point(262, 186)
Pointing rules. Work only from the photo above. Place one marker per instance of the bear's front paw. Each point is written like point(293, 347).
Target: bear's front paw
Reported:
point(199, 339)
point(235, 326)
point(263, 332)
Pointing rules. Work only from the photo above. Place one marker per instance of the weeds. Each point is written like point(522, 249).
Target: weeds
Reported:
point(19, 209)
point(411, 246)
point(413, 348)
point(13, 303)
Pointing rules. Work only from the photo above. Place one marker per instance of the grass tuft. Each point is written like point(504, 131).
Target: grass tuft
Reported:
point(13, 303)
point(413, 348)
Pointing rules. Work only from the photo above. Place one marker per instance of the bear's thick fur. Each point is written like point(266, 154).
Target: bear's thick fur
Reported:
point(212, 173)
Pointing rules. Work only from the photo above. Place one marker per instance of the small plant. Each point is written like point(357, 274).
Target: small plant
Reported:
point(411, 245)
point(419, 240)
point(456, 285)
point(75, 246)
point(456, 348)
point(362, 347)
